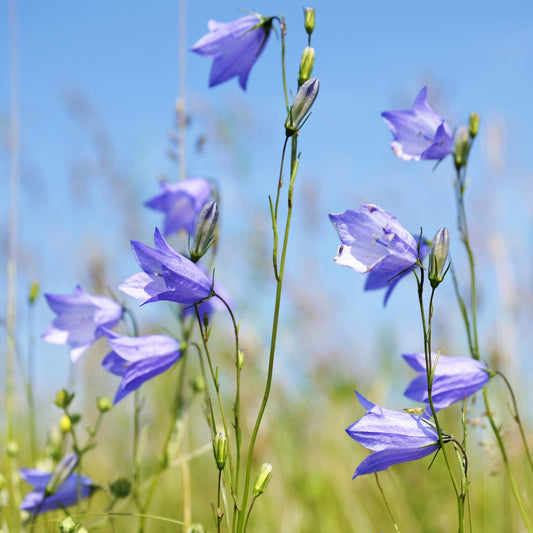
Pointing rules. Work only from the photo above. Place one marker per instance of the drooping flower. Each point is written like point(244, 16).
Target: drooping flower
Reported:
point(181, 202)
point(80, 319)
point(393, 436)
point(167, 275)
point(234, 46)
point(139, 359)
point(455, 379)
point(378, 280)
point(39, 500)
point(419, 133)
point(373, 241)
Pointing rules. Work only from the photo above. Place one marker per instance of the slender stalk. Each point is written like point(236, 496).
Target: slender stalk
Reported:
point(389, 511)
point(294, 169)
point(471, 326)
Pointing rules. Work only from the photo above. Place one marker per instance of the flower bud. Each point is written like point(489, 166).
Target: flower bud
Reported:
point(120, 488)
point(462, 139)
point(302, 104)
point(473, 124)
point(437, 257)
point(204, 234)
point(63, 398)
point(262, 479)
point(12, 448)
point(198, 383)
point(309, 19)
point(306, 65)
point(65, 424)
point(240, 358)
point(220, 449)
point(104, 404)
point(62, 471)
point(68, 525)
point(33, 292)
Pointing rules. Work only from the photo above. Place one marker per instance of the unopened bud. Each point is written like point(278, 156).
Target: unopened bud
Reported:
point(65, 424)
point(262, 479)
point(33, 292)
point(198, 383)
point(473, 124)
point(240, 358)
point(306, 65)
point(68, 525)
point(462, 139)
point(220, 450)
point(63, 398)
point(12, 448)
point(104, 404)
point(309, 19)
point(120, 488)
point(62, 471)
point(206, 227)
point(437, 257)
point(302, 104)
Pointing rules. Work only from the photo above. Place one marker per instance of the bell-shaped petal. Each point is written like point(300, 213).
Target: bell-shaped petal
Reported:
point(80, 319)
point(455, 379)
point(419, 133)
point(66, 494)
point(181, 202)
point(167, 275)
point(234, 46)
point(393, 436)
point(139, 359)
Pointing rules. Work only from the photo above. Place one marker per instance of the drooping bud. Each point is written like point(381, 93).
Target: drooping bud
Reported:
point(204, 234)
point(198, 383)
point(462, 140)
point(104, 404)
point(63, 398)
point(302, 104)
point(68, 525)
point(473, 124)
point(309, 19)
point(262, 479)
point(120, 488)
point(306, 65)
point(437, 257)
point(33, 292)
point(220, 450)
point(62, 471)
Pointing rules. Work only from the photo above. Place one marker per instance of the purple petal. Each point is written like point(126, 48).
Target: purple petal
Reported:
point(136, 348)
point(381, 460)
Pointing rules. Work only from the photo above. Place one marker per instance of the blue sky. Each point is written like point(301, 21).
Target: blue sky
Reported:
point(120, 60)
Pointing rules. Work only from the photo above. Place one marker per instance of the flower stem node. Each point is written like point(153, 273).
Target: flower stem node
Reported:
point(220, 450)
point(240, 359)
point(68, 525)
point(309, 19)
point(462, 146)
point(438, 254)
point(204, 234)
point(120, 488)
point(306, 65)
point(473, 124)
point(303, 101)
point(63, 398)
point(262, 479)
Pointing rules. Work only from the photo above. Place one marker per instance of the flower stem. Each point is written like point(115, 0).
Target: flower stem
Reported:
point(241, 525)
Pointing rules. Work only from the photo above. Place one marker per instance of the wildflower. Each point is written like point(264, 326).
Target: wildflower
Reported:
point(303, 101)
point(234, 46)
point(437, 257)
point(455, 379)
point(181, 202)
point(80, 319)
point(41, 500)
point(419, 133)
point(373, 241)
point(393, 436)
point(167, 275)
point(139, 359)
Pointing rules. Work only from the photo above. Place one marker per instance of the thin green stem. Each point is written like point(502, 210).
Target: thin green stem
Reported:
point(294, 169)
point(389, 511)
point(283, 31)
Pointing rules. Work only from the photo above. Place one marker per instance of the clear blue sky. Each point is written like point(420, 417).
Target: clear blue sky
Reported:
point(121, 58)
